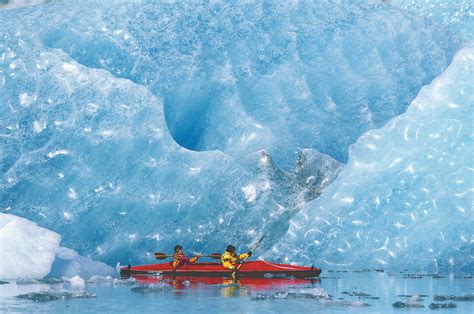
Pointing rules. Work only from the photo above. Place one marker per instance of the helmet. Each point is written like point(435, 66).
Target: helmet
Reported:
point(177, 248)
point(230, 248)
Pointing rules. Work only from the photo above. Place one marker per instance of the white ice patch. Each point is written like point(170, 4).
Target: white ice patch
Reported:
point(39, 126)
point(32, 252)
point(76, 283)
point(72, 194)
point(331, 105)
point(57, 153)
point(250, 192)
point(69, 263)
point(68, 216)
point(194, 170)
point(347, 200)
point(26, 100)
point(69, 67)
point(27, 250)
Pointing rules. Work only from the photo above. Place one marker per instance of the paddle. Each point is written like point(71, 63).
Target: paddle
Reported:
point(213, 255)
point(165, 256)
point(251, 250)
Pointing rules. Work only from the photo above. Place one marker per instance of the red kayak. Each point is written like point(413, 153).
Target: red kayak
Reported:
point(256, 269)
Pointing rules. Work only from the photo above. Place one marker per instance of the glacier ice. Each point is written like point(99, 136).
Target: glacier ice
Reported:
point(97, 165)
point(27, 250)
point(405, 197)
point(69, 264)
point(252, 76)
point(88, 155)
point(76, 283)
point(455, 14)
point(13, 4)
point(32, 252)
point(128, 127)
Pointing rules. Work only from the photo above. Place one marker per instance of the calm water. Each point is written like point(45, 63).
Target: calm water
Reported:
point(358, 292)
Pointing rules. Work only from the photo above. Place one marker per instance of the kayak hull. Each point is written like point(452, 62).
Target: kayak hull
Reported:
point(254, 269)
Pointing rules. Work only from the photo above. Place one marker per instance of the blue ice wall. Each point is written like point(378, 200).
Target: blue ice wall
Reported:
point(88, 155)
point(127, 127)
point(405, 197)
point(278, 76)
point(456, 15)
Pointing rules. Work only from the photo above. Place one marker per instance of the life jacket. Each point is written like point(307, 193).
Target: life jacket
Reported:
point(229, 260)
point(179, 259)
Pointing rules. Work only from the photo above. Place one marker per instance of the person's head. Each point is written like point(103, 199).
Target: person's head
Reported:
point(230, 249)
point(178, 249)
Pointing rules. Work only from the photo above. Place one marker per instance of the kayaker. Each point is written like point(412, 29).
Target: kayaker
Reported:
point(179, 258)
point(230, 259)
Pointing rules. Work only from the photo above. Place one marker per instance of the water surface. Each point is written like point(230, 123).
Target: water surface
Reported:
point(335, 292)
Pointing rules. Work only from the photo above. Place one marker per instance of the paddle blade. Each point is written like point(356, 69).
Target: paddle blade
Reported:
point(161, 256)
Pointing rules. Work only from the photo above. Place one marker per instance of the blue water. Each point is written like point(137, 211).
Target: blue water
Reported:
point(379, 291)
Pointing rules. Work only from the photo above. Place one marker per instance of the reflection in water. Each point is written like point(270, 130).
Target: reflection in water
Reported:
point(225, 287)
point(232, 288)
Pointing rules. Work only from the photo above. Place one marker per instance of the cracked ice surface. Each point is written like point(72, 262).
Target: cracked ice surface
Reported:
point(405, 197)
point(279, 76)
point(87, 155)
point(84, 143)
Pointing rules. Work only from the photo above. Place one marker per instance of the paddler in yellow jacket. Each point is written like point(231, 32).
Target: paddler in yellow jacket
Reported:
point(230, 259)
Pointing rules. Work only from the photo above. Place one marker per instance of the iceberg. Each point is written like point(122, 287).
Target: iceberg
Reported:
point(97, 166)
point(69, 264)
point(129, 127)
point(27, 250)
point(404, 199)
point(32, 252)
point(250, 76)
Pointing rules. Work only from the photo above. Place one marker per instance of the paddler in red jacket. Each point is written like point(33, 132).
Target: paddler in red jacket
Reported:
point(179, 258)
point(230, 259)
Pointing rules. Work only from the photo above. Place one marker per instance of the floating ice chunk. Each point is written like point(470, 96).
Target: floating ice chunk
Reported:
point(310, 292)
point(76, 283)
point(52, 295)
point(69, 263)
point(27, 250)
point(33, 252)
